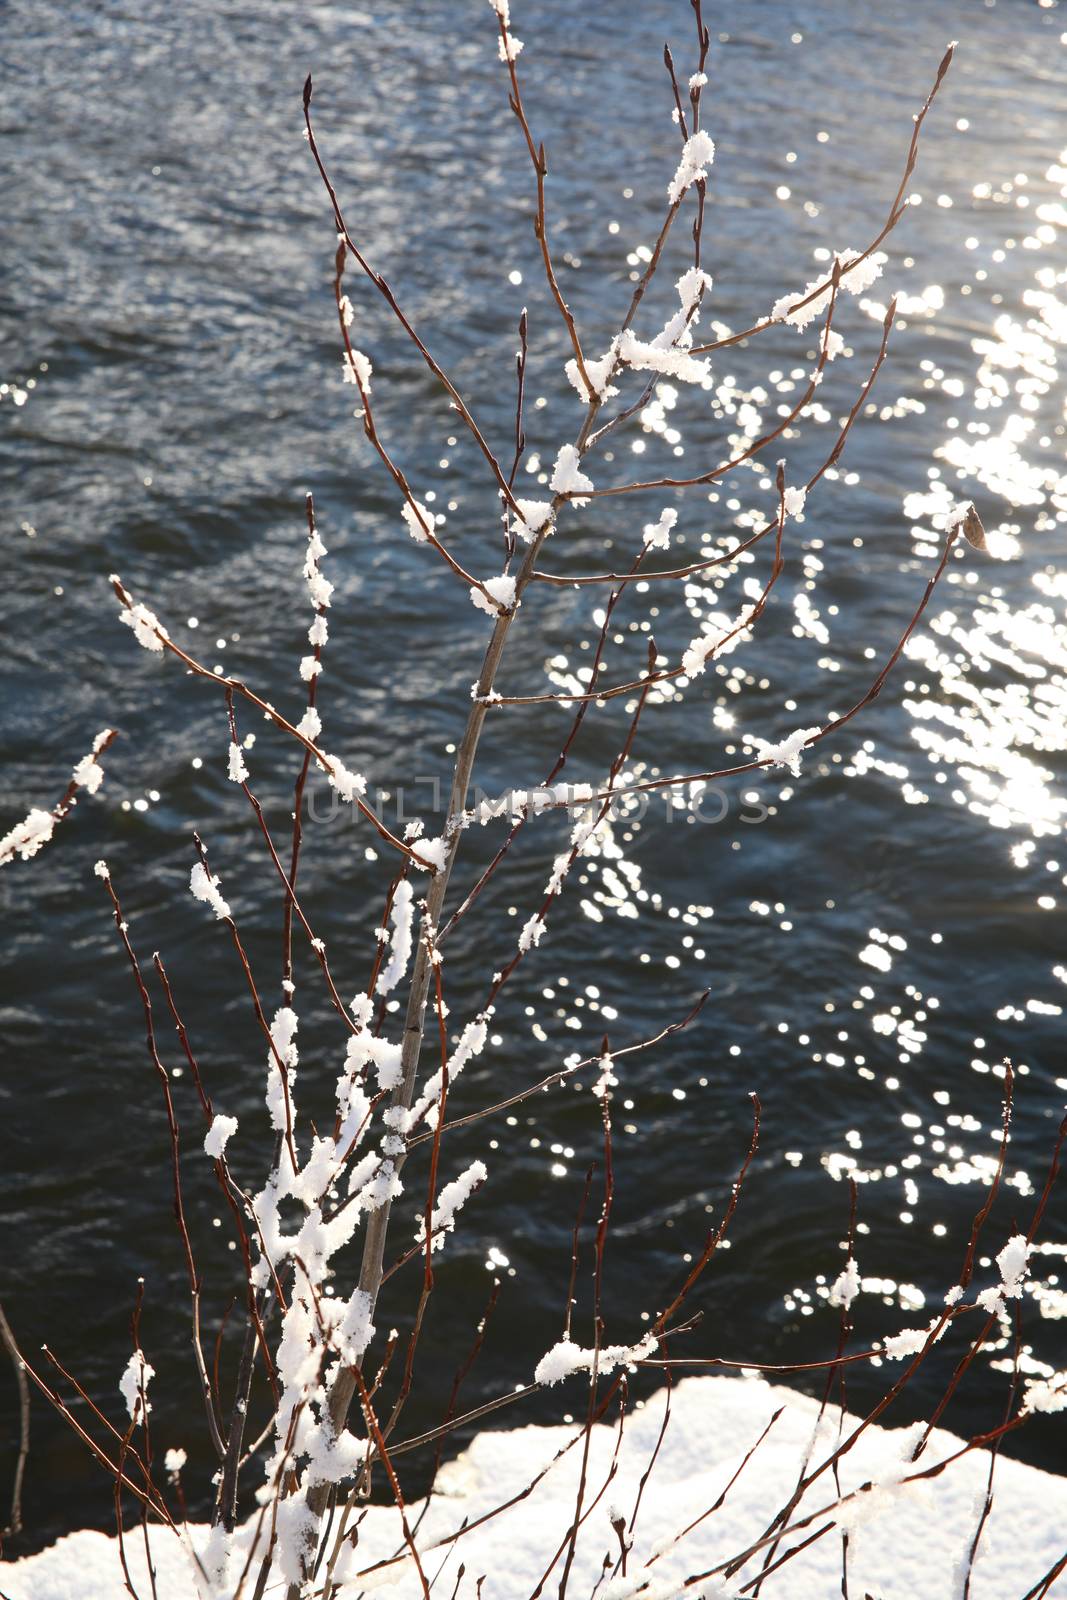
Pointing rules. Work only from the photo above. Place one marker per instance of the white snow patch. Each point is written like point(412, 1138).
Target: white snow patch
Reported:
point(907, 1548)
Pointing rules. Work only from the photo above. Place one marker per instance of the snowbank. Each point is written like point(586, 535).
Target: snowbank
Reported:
point(908, 1545)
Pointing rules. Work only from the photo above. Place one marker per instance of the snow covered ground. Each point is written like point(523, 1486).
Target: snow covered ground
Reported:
point(908, 1543)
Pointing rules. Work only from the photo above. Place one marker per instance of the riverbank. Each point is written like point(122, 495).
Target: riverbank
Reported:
point(907, 1542)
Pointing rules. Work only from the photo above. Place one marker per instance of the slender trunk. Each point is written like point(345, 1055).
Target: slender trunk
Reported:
point(8, 1339)
point(370, 1277)
point(226, 1506)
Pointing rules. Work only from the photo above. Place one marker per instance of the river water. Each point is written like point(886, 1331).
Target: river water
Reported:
point(877, 935)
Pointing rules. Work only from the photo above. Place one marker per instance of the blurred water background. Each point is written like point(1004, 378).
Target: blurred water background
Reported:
point(170, 388)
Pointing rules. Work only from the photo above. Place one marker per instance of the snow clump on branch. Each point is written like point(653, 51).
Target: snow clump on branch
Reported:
point(668, 352)
point(133, 1386)
point(37, 827)
point(535, 514)
point(566, 1357)
point(657, 535)
point(531, 932)
point(147, 628)
point(693, 282)
point(27, 837)
point(430, 854)
point(237, 771)
point(499, 596)
point(400, 950)
point(793, 502)
point(357, 369)
point(420, 522)
point(720, 636)
point(566, 476)
point(221, 1129)
point(205, 886)
point(815, 296)
point(697, 156)
point(1012, 1262)
point(846, 1286)
point(598, 373)
point(319, 588)
point(787, 752)
point(348, 784)
point(89, 774)
point(452, 1197)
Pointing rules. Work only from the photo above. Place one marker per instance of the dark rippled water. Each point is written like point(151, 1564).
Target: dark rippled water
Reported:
point(873, 949)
